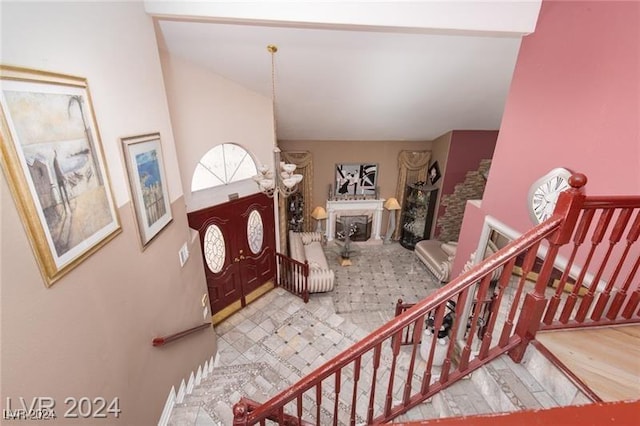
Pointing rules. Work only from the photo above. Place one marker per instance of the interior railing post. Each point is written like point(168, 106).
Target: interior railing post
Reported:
point(569, 206)
point(240, 412)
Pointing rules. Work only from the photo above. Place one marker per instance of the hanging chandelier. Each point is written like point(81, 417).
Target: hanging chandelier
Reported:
point(284, 181)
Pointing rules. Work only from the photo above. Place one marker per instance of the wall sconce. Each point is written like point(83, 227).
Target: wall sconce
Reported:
point(319, 214)
point(392, 205)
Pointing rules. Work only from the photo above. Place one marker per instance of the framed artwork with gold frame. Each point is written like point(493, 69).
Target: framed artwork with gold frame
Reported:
point(52, 157)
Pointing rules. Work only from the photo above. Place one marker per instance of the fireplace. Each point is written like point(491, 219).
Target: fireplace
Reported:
point(359, 227)
point(372, 209)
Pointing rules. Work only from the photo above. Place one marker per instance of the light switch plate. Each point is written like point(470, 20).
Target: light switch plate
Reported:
point(183, 254)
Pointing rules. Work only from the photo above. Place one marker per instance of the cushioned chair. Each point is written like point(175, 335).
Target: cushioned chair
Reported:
point(437, 257)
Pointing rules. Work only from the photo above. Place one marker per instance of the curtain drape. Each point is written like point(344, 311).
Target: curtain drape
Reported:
point(412, 168)
point(304, 162)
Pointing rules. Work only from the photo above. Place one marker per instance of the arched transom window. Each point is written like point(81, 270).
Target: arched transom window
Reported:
point(221, 165)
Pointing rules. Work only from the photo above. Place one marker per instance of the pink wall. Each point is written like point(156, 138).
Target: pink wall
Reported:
point(574, 102)
point(466, 149)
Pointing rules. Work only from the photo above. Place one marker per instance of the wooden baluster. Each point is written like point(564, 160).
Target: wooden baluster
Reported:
point(480, 295)
point(299, 408)
point(418, 326)
point(376, 365)
point(565, 316)
point(438, 318)
point(354, 398)
point(578, 238)
point(596, 239)
point(337, 398)
point(621, 294)
point(460, 307)
point(503, 283)
point(634, 299)
point(569, 206)
point(318, 402)
point(395, 342)
point(240, 411)
point(306, 281)
point(527, 265)
point(281, 416)
point(615, 237)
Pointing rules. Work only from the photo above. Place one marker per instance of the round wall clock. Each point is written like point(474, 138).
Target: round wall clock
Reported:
point(544, 193)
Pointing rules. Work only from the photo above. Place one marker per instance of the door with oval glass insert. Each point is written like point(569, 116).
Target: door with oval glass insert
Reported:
point(238, 248)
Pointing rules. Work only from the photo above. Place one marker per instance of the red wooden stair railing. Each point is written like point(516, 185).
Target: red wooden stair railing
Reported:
point(378, 378)
point(293, 276)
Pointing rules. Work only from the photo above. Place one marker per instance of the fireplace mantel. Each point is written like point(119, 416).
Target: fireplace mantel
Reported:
point(342, 207)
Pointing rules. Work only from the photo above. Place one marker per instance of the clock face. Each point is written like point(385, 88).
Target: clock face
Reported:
point(544, 193)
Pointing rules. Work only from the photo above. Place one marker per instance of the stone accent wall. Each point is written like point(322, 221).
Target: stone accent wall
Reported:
point(448, 225)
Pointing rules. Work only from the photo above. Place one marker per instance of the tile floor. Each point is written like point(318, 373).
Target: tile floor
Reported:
point(276, 340)
point(283, 339)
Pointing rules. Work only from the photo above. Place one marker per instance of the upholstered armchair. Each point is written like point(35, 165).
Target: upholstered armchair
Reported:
point(437, 256)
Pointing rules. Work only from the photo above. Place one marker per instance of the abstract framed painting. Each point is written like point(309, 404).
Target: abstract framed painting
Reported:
point(355, 179)
point(145, 167)
point(53, 160)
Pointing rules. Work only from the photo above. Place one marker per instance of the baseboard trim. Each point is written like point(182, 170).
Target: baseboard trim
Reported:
point(185, 389)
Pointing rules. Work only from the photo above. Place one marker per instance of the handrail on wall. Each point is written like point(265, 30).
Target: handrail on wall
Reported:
point(161, 341)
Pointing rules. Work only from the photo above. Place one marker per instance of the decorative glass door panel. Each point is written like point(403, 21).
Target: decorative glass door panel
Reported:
point(238, 248)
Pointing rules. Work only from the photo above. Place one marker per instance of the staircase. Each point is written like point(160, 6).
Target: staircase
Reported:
point(211, 402)
point(500, 386)
point(377, 379)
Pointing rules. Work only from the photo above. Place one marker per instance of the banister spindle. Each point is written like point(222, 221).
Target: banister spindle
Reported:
point(634, 299)
point(573, 297)
point(615, 237)
point(480, 295)
point(336, 400)
point(354, 398)
point(376, 364)
point(527, 265)
point(503, 283)
point(318, 402)
point(621, 294)
point(418, 326)
point(578, 239)
point(395, 345)
point(596, 239)
point(299, 408)
point(438, 319)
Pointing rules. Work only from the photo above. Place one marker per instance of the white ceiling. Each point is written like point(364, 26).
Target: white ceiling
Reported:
point(359, 82)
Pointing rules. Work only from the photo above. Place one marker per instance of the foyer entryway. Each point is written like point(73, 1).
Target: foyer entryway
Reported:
point(238, 248)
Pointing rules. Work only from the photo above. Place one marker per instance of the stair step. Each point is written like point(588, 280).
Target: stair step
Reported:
point(501, 386)
point(215, 396)
point(558, 386)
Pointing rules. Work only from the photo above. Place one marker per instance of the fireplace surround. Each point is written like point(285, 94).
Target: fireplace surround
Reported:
point(370, 208)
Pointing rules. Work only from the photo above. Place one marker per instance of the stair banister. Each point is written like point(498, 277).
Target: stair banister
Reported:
point(567, 210)
point(395, 326)
point(611, 302)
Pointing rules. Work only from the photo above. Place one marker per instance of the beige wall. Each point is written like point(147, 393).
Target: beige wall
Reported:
point(90, 334)
point(208, 110)
point(326, 154)
point(440, 153)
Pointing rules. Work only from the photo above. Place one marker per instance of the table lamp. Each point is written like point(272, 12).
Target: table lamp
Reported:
point(319, 214)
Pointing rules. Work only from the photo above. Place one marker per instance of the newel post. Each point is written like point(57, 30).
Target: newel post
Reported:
point(569, 206)
point(240, 411)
